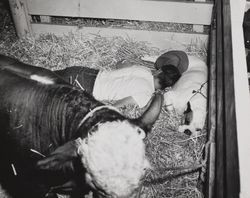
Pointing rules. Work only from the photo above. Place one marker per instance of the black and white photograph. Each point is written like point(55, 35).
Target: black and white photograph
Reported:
point(124, 98)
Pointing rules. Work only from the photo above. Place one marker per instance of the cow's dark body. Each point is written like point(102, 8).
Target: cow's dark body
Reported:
point(25, 70)
point(83, 75)
point(45, 118)
point(39, 117)
point(44, 112)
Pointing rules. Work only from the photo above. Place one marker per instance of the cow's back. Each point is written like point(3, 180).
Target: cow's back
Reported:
point(34, 120)
point(29, 71)
point(24, 109)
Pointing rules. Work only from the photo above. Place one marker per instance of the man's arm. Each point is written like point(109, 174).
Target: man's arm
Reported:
point(125, 101)
point(129, 100)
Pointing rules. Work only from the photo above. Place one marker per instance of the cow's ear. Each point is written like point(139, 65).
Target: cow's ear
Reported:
point(61, 157)
point(149, 117)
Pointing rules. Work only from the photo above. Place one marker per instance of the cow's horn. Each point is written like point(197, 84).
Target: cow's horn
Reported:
point(149, 117)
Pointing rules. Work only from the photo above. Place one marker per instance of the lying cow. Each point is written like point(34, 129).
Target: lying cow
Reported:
point(188, 94)
point(56, 138)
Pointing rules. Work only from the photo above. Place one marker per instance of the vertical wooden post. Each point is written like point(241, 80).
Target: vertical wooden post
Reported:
point(20, 17)
point(209, 193)
point(242, 96)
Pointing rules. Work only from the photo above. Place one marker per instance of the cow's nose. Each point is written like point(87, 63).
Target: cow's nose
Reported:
point(188, 132)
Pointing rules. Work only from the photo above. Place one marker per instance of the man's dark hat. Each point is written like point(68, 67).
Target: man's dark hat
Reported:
point(169, 58)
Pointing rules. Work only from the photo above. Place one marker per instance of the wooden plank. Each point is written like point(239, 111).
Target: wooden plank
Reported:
point(210, 182)
point(53, 7)
point(220, 142)
point(162, 40)
point(227, 167)
point(178, 12)
point(231, 142)
point(198, 28)
point(146, 10)
point(242, 96)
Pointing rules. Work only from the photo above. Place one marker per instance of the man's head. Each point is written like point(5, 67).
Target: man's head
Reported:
point(166, 77)
point(176, 58)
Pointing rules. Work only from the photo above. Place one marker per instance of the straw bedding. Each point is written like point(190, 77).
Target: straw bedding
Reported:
point(176, 158)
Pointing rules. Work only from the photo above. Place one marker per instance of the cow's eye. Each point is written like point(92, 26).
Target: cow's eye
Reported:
point(141, 133)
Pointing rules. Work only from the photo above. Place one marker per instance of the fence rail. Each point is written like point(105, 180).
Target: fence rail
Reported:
point(184, 12)
point(162, 11)
point(223, 173)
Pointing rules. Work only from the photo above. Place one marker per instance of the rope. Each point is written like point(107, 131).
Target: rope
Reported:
point(199, 91)
point(91, 113)
point(184, 170)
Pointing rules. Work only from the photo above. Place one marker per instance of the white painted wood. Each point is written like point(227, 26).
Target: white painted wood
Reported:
point(242, 97)
point(198, 28)
point(162, 40)
point(146, 10)
point(53, 7)
point(164, 11)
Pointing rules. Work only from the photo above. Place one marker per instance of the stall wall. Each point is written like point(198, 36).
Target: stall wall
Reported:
point(242, 98)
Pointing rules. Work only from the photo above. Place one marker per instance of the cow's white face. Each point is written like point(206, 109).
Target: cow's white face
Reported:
point(114, 156)
point(113, 153)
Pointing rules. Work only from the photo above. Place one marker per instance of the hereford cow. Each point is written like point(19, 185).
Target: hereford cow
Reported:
point(189, 96)
point(56, 138)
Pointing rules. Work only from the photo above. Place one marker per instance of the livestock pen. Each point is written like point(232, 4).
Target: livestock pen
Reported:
point(37, 17)
point(98, 34)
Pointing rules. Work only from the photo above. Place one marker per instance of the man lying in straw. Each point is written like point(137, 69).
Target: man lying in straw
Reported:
point(130, 84)
point(133, 84)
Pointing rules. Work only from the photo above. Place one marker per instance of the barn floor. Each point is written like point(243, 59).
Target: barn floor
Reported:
point(176, 158)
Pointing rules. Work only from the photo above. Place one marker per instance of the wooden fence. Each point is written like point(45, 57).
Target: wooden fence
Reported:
point(198, 13)
point(229, 105)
